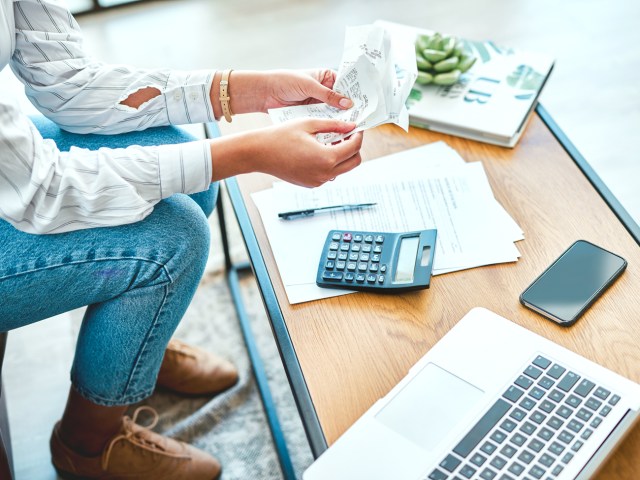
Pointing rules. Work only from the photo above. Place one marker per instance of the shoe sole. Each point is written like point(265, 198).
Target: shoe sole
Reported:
point(72, 476)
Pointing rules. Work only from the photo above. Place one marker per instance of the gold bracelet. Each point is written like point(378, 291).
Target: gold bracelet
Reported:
point(224, 95)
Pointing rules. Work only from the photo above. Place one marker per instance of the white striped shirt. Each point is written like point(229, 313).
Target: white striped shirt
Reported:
point(43, 190)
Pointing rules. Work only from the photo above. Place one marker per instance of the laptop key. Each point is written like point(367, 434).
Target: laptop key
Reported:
point(478, 459)
point(523, 382)
point(488, 474)
point(541, 362)
point(537, 393)
point(498, 436)
point(438, 475)
point(568, 381)
point(536, 445)
point(584, 387)
point(593, 403)
point(467, 471)
point(556, 371)
point(532, 372)
point(537, 471)
point(450, 463)
point(566, 437)
point(602, 393)
point(508, 451)
point(527, 403)
point(556, 395)
point(513, 393)
point(546, 460)
point(488, 448)
point(498, 463)
point(516, 468)
point(482, 428)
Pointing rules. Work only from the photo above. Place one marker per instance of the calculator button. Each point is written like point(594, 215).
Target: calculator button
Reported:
point(362, 267)
point(334, 246)
point(377, 249)
point(371, 278)
point(373, 268)
point(336, 237)
point(379, 238)
point(329, 265)
point(340, 265)
point(375, 258)
point(360, 277)
point(355, 247)
point(357, 238)
point(353, 257)
point(351, 266)
point(344, 247)
point(337, 276)
point(342, 255)
point(332, 255)
point(364, 257)
point(348, 277)
point(383, 268)
point(380, 278)
point(347, 237)
point(366, 248)
point(368, 238)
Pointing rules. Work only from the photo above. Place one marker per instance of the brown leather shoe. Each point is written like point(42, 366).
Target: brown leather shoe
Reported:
point(135, 452)
point(194, 371)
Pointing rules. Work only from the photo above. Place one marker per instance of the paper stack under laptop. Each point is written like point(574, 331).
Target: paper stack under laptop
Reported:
point(425, 187)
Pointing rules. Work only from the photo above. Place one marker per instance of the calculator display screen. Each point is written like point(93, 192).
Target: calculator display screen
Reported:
point(406, 260)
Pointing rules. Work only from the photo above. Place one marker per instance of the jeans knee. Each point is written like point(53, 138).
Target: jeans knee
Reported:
point(185, 230)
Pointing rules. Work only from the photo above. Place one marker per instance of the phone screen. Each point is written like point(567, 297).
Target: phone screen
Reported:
point(573, 282)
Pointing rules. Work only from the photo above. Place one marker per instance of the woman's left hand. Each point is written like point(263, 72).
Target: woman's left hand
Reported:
point(301, 87)
point(258, 91)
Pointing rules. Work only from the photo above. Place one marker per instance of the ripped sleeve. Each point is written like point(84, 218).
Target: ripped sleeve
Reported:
point(83, 95)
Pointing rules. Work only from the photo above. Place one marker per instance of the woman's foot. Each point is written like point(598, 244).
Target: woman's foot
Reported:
point(194, 371)
point(134, 452)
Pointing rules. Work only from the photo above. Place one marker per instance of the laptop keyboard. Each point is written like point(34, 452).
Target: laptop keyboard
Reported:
point(534, 430)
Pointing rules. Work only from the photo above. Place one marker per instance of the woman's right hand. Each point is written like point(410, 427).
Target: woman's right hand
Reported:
point(289, 151)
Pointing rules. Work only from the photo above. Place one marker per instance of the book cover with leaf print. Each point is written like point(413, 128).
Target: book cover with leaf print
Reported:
point(490, 102)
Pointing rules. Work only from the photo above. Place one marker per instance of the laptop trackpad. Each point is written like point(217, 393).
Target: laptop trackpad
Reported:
point(429, 406)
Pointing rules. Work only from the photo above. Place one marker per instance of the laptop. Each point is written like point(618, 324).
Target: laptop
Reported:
point(491, 400)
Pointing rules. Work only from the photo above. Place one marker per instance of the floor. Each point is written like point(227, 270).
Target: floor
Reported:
point(593, 94)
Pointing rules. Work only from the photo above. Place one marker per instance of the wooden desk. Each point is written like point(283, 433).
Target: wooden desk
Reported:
point(342, 354)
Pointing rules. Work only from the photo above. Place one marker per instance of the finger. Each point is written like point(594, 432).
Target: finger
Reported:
point(349, 164)
point(327, 125)
point(321, 92)
point(348, 148)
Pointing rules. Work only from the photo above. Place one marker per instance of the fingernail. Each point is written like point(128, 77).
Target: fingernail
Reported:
point(345, 103)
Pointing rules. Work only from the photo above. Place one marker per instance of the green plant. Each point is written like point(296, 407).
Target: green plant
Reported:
point(441, 59)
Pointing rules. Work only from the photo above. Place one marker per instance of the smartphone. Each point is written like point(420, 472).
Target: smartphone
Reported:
point(565, 290)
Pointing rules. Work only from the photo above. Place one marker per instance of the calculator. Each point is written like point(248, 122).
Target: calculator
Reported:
point(377, 261)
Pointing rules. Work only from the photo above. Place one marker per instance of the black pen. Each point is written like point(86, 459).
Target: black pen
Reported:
point(311, 211)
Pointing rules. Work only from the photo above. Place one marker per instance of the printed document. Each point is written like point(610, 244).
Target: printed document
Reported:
point(426, 187)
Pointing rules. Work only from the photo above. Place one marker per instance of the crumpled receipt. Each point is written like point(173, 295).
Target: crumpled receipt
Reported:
point(376, 73)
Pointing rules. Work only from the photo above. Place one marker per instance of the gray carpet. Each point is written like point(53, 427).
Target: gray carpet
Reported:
point(232, 425)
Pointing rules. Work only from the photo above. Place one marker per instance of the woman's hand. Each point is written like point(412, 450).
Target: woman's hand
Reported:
point(289, 151)
point(254, 91)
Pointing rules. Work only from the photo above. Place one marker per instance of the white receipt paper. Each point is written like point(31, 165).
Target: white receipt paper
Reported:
point(376, 73)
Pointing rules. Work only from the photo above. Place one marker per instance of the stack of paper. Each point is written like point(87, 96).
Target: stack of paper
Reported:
point(376, 73)
point(422, 188)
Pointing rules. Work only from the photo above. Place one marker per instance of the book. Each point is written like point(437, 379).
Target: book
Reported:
point(492, 102)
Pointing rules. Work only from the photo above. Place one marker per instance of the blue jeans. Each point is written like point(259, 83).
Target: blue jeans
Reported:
point(137, 280)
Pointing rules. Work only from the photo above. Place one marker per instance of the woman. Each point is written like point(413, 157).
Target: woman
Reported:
point(123, 229)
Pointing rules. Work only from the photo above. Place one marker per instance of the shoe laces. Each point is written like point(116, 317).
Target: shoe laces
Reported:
point(133, 436)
